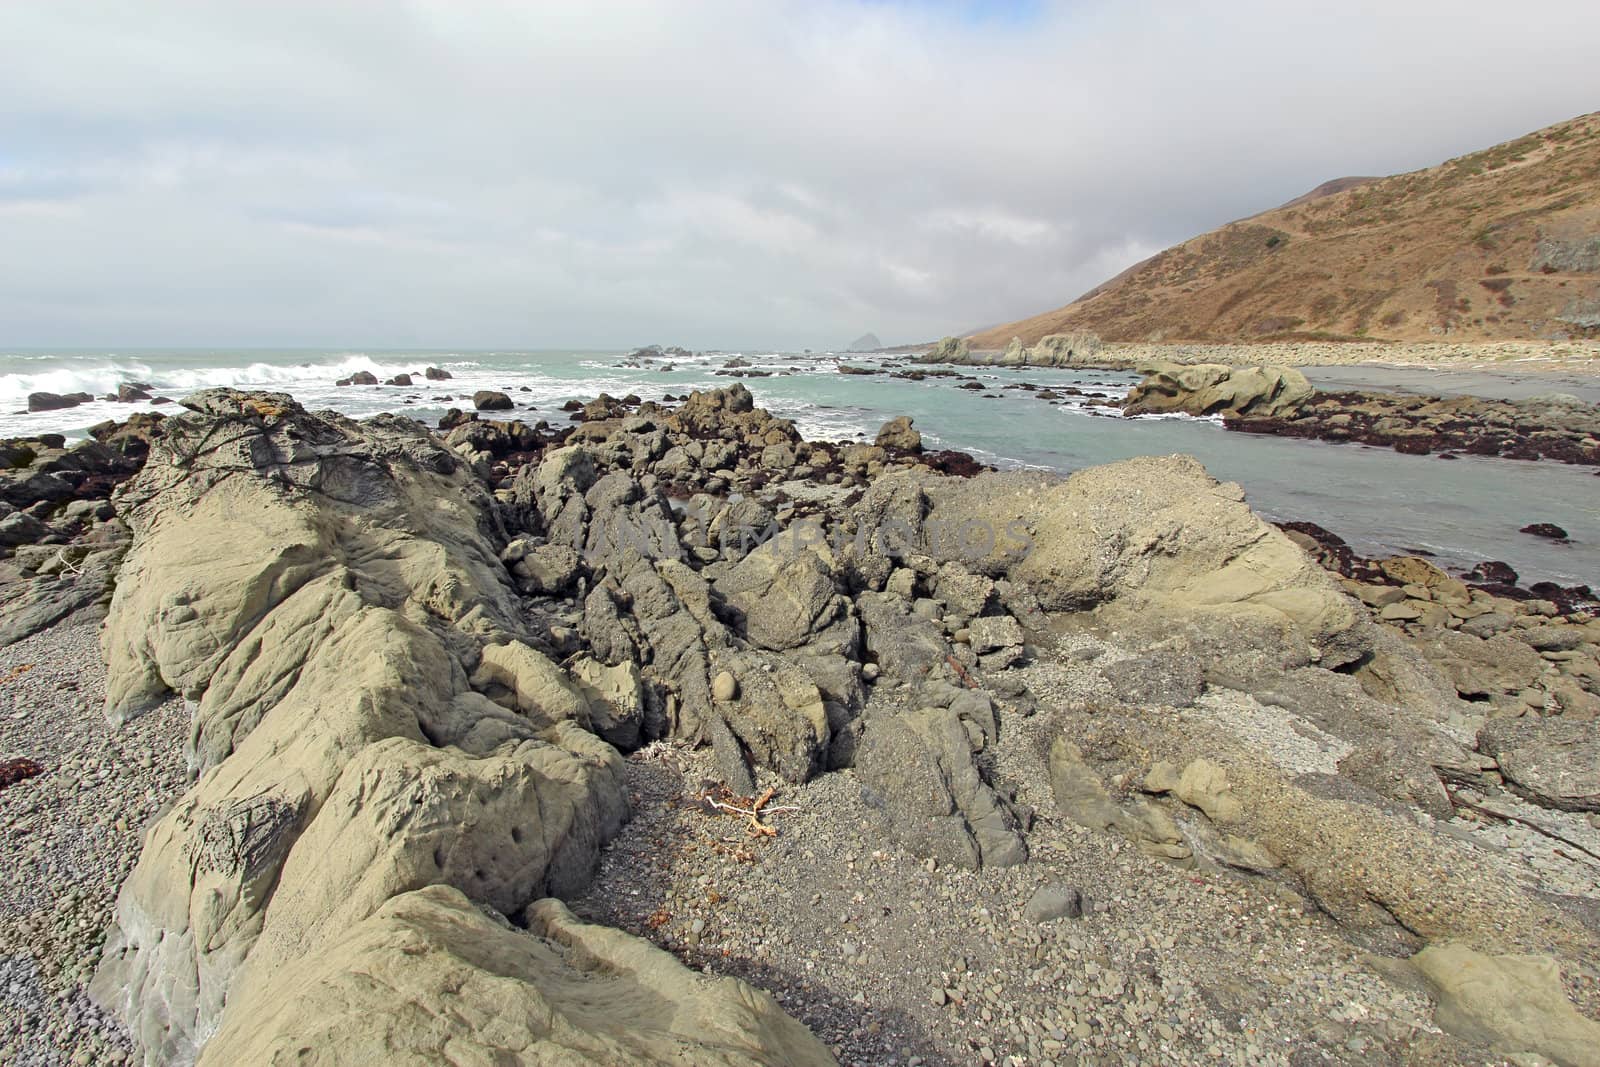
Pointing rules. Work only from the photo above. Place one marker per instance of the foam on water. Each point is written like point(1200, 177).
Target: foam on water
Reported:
point(1378, 500)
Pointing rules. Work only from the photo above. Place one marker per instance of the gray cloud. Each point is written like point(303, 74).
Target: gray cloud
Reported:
point(712, 174)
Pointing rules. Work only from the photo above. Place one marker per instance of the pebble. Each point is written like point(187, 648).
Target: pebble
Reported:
point(82, 823)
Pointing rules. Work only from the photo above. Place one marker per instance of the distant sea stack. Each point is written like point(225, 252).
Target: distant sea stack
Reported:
point(867, 342)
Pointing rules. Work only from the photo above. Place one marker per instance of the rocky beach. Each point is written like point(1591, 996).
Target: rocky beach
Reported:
point(667, 734)
point(464, 601)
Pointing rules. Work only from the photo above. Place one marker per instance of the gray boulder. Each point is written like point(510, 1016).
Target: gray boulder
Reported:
point(917, 769)
point(1052, 902)
point(548, 570)
point(1551, 761)
point(56, 401)
point(783, 595)
point(21, 528)
point(777, 713)
point(491, 400)
point(905, 645)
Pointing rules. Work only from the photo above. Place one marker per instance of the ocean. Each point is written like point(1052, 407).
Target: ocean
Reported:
point(1459, 511)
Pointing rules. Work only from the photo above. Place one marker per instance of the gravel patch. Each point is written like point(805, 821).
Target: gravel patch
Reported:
point(893, 960)
point(1290, 742)
point(72, 835)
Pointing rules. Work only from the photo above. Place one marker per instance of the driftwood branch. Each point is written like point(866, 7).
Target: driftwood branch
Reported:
point(753, 813)
point(962, 674)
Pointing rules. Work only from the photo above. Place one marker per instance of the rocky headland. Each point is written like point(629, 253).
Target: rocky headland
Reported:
point(1497, 245)
point(1280, 401)
point(669, 736)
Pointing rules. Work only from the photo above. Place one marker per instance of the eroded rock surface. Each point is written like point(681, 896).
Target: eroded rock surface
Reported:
point(372, 714)
point(414, 663)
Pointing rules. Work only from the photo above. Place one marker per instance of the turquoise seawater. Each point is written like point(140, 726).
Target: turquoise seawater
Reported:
point(1461, 511)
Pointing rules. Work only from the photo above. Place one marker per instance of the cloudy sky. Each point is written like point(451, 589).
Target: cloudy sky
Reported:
point(703, 173)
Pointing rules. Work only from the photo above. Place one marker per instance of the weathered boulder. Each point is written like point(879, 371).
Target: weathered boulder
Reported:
point(29, 485)
point(429, 978)
point(491, 400)
point(777, 713)
point(905, 645)
point(56, 401)
point(607, 518)
point(249, 503)
point(1515, 1004)
point(324, 590)
point(917, 768)
point(1081, 796)
point(21, 528)
point(1064, 349)
point(616, 699)
point(434, 374)
point(1481, 667)
point(1551, 761)
point(530, 683)
point(898, 433)
point(1154, 539)
point(948, 350)
point(1214, 388)
point(521, 822)
point(783, 594)
point(968, 595)
point(1052, 902)
point(548, 570)
point(75, 577)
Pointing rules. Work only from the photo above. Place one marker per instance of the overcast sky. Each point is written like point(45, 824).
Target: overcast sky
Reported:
point(703, 173)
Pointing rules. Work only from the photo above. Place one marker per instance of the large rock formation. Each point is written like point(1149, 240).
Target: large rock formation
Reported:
point(371, 718)
point(560, 992)
point(412, 665)
point(948, 350)
point(1215, 389)
point(1153, 538)
point(1553, 427)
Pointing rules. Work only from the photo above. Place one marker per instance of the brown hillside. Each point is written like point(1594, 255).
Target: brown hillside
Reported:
point(1502, 244)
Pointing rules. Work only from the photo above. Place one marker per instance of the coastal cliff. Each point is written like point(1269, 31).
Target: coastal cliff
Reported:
point(1497, 245)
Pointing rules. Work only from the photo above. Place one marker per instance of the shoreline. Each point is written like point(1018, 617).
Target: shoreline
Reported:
point(1524, 357)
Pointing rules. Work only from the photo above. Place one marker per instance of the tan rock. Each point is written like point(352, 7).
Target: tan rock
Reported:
point(429, 978)
point(526, 679)
point(1515, 1004)
point(1215, 388)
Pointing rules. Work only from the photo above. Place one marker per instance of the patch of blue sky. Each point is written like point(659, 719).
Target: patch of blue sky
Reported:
point(975, 12)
